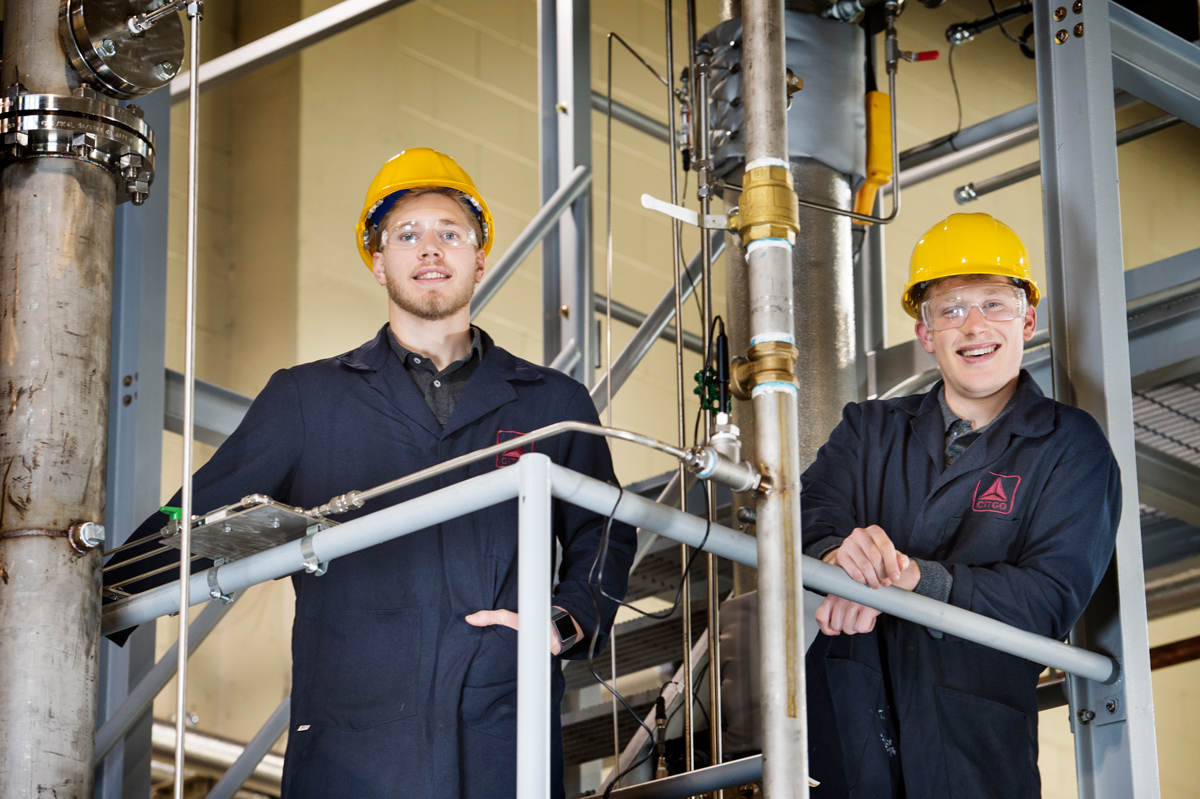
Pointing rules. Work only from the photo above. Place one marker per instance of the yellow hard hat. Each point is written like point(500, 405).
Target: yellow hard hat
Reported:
point(968, 244)
point(411, 169)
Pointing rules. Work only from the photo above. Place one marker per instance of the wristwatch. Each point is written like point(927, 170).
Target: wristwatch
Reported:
point(564, 628)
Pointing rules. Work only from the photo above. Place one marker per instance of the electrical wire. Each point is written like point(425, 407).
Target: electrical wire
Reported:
point(957, 96)
point(1004, 30)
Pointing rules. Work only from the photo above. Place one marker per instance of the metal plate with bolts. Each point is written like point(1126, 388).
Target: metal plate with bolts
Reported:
point(245, 528)
point(114, 56)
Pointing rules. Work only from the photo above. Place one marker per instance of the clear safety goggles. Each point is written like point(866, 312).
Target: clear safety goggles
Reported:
point(998, 302)
point(409, 233)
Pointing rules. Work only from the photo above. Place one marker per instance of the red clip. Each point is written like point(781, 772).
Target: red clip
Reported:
point(927, 55)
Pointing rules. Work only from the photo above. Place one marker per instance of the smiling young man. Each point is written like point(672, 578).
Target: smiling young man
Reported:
point(981, 493)
point(404, 654)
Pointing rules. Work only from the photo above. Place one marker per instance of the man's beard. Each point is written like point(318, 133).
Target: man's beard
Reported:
point(429, 306)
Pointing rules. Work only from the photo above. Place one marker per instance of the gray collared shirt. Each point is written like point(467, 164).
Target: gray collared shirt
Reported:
point(954, 432)
point(441, 389)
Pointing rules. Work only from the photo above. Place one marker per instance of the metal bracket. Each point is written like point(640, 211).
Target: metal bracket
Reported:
point(312, 564)
point(686, 215)
point(214, 587)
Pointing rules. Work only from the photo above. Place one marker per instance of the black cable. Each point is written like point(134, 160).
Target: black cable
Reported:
point(1004, 30)
point(957, 96)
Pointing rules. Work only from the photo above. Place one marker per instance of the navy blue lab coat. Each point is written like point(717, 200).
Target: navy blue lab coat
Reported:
point(1025, 521)
point(394, 695)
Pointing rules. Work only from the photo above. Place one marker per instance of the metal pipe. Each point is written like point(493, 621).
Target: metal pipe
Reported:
point(634, 318)
point(142, 696)
point(213, 756)
point(973, 191)
point(535, 562)
point(248, 761)
point(566, 360)
point(599, 497)
point(56, 257)
point(634, 119)
point(544, 221)
point(776, 415)
point(195, 11)
point(281, 44)
point(650, 330)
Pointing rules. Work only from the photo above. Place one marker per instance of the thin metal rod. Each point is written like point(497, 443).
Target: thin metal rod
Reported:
point(544, 221)
point(608, 360)
point(150, 686)
point(651, 329)
point(356, 499)
point(712, 779)
point(535, 562)
point(236, 775)
point(676, 259)
point(973, 191)
point(189, 400)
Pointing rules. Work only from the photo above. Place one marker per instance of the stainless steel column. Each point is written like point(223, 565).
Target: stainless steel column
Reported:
point(771, 325)
point(535, 562)
point(56, 249)
point(1115, 749)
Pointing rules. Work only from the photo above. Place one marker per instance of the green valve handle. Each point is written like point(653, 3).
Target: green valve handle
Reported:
point(174, 513)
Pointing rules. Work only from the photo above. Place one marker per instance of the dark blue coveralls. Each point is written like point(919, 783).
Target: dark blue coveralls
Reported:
point(394, 695)
point(1025, 521)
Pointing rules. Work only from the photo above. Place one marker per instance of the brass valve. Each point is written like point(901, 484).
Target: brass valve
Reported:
point(768, 362)
point(767, 208)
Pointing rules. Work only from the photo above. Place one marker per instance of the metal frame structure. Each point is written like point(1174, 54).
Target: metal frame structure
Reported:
point(1115, 758)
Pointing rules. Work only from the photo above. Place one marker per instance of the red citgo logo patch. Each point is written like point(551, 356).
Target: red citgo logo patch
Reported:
point(996, 493)
point(509, 457)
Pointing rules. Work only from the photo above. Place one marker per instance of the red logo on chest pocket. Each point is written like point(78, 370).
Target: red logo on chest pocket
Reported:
point(511, 456)
point(996, 493)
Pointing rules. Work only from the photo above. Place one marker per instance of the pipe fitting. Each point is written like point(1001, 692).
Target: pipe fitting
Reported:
point(85, 536)
point(767, 208)
point(708, 464)
point(768, 362)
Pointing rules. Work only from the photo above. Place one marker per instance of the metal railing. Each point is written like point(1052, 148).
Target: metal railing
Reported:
point(535, 481)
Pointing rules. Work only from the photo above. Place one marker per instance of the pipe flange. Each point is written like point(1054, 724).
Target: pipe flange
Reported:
point(83, 128)
point(768, 362)
point(768, 208)
point(117, 58)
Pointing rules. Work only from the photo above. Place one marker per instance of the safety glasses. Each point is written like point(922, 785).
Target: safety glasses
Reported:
point(998, 302)
point(409, 233)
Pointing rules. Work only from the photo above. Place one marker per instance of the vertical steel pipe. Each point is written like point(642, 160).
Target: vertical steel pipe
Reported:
point(56, 250)
point(534, 564)
point(785, 752)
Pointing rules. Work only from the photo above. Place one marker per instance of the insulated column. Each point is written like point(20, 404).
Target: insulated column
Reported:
point(768, 222)
point(56, 250)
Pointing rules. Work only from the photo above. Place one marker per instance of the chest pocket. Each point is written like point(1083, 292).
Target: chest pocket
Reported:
point(979, 540)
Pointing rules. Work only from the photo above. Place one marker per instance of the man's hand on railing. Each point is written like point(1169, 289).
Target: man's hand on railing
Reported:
point(870, 558)
point(508, 618)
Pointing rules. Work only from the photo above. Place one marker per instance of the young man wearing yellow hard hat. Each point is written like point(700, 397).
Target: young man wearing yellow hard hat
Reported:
point(404, 655)
point(982, 493)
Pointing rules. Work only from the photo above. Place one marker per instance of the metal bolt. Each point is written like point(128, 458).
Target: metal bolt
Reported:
point(127, 400)
point(1085, 716)
point(1060, 13)
point(746, 514)
point(1079, 30)
point(136, 110)
point(107, 48)
point(560, 108)
point(127, 380)
point(1061, 36)
point(1112, 705)
point(85, 535)
point(164, 70)
point(1078, 7)
point(564, 311)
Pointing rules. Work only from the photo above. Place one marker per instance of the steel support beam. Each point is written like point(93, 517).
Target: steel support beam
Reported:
point(236, 775)
point(1155, 64)
point(635, 318)
point(1168, 484)
point(281, 44)
point(565, 142)
point(1114, 724)
point(135, 436)
point(535, 561)
point(218, 410)
point(545, 220)
point(634, 119)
